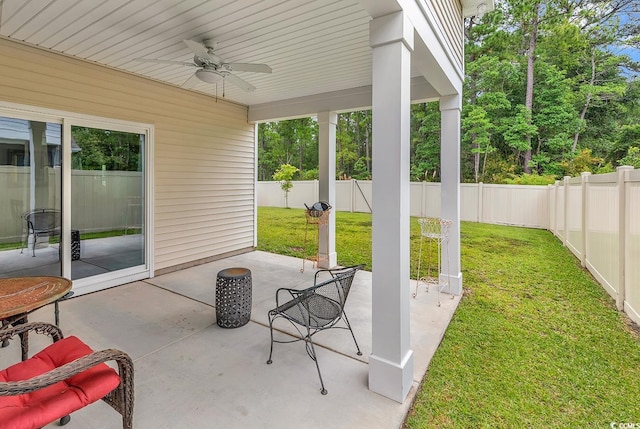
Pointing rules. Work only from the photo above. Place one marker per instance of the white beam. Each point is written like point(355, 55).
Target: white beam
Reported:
point(391, 360)
point(349, 100)
point(327, 121)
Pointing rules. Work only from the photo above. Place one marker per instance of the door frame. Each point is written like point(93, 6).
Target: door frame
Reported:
point(69, 119)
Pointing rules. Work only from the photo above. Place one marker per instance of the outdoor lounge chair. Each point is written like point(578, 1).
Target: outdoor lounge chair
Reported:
point(62, 378)
point(315, 309)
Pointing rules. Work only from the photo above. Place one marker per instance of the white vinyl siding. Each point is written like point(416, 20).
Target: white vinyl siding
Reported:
point(449, 13)
point(203, 148)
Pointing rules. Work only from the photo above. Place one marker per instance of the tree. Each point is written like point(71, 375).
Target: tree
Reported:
point(477, 129)
point(546, 91)
point(632, 158)
point(425, 142)
point(287, 142)
point(284, 175)
point(115, 150)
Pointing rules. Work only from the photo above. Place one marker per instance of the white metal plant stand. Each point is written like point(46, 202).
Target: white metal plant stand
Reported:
point(436, 232)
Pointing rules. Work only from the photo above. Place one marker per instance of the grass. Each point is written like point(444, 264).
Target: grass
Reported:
point(54, 239)
point(534, 343)
point(282, 231)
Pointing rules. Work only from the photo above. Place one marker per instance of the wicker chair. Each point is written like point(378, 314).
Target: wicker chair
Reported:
point(315, 309)
point(62, 378)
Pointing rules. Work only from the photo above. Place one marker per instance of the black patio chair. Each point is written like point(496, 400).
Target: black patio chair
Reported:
point(315, 309)
point(41, 222)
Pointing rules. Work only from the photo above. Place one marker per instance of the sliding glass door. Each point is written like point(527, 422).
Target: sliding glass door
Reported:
point(107, 201)
point(73, 198)
point(30, 202)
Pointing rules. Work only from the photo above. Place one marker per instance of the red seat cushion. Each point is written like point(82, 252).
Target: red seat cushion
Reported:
point(36, 409)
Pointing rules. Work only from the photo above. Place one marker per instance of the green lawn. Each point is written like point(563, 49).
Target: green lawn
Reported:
point(535, 342)
point(54, 239)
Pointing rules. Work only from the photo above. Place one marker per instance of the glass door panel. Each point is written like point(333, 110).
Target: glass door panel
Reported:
point(107, 201)
point(30, 197)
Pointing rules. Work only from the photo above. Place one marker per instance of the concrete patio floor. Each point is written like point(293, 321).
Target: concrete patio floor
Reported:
point(190, 373)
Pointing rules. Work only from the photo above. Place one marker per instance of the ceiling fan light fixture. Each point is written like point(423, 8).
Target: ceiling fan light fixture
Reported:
point(208, 76)
point(482, 9)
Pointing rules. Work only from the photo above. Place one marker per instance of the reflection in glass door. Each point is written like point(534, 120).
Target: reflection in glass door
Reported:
point(30, 197)
point(107, 201)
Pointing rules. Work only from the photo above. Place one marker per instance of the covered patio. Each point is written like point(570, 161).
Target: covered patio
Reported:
point(164, 74)
point(191, 373)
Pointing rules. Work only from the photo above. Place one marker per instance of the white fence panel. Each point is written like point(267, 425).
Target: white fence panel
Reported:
point(559, 195)
point(504, 204)
point(425, 199)
point(597, 217)
point(269, 194)
point(99, 199)
point(632, 253)
point(574, 216)
point(553, 223)
point(14, 183)
point(470, 202)
point(515, 205)
point(602, 232)
point(362, 196)
point(344, 195)
point(416, 200)
point(304, 192)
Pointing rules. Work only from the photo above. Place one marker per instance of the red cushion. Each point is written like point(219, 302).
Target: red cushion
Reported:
point(36, 409)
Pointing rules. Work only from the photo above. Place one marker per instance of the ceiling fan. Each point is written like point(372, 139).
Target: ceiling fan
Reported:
point(212, 68)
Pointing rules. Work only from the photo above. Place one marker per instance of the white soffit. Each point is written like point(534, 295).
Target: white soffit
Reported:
point(313, 47)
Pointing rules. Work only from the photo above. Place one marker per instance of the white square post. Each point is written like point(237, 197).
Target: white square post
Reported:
point(450, 108)
point(327, 121)
point(391, 360)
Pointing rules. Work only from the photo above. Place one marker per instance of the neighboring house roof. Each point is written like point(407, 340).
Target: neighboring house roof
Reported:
point(18, 131)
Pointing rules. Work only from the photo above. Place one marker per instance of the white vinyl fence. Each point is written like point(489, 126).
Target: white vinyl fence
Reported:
point(498, 204)
point(99, 199)
point(596, 216)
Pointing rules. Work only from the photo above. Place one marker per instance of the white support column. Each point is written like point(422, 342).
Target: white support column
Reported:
point(450, 108)
point(327, 121)
point(391, 360)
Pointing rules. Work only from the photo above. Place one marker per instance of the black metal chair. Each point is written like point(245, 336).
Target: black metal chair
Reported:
point(41, 222)
point(315, 309)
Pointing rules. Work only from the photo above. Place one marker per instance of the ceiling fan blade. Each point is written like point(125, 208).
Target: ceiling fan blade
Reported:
point(180, 63)
point(245, 86)
point(247, 67)
point(197, 48)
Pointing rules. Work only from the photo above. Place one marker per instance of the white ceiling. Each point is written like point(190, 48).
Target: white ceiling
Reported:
point(313, 46)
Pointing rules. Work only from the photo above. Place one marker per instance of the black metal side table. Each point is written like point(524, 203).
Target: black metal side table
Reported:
point(233, 297)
